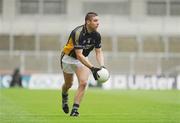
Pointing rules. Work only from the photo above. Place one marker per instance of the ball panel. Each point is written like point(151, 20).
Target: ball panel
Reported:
point(103, 75)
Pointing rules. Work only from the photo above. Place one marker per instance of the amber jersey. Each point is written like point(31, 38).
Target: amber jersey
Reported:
point(81, 39)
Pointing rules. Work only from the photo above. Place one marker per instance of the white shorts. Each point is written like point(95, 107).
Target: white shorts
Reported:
point(69, 64)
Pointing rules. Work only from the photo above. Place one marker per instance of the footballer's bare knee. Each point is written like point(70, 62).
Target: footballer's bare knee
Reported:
point(68, 85)
point(83, 84)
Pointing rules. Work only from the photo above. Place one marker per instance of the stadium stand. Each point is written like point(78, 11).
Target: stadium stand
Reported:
point(145, 65)
point(153, 44)
point(4, 42)
point(50, 42)
point(136, 40)
point(55, 64)
point(170, 64)
point(36, 63)
point(8, 62)
point(107, 43)
point(174, 44)
point(118, 65)
point(127, 44)
point(23, 42)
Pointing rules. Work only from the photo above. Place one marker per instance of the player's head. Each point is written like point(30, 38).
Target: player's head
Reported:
point(92, 20)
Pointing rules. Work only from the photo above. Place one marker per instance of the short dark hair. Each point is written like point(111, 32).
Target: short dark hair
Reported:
point(89, 15)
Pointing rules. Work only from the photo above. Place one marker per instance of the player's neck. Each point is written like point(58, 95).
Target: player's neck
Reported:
point(89, 29)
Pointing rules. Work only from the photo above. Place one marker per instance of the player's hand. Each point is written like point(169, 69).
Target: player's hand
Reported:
point(94, 71)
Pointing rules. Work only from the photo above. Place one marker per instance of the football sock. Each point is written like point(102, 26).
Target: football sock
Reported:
point(75, 106)
point(74, 111)
point(65, 106)
point(65, 97)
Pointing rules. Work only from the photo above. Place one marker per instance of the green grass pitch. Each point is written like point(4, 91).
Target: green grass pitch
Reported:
point(98, 106)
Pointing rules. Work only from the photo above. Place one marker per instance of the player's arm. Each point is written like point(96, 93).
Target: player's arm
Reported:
point(98, 50)
point(99, 56)
point(82, 58)
point(86, 62)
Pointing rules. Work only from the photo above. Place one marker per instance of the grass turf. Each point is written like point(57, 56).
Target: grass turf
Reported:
point(98, 106)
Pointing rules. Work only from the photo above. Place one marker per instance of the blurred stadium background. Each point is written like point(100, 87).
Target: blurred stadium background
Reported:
point(141, 44)
point(140, 37)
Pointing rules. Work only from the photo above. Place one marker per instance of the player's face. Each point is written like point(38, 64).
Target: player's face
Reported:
point(94, 23)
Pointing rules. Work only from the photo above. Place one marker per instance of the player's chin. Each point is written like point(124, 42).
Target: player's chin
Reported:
point(96, 27)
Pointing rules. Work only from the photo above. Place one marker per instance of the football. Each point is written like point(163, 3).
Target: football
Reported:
point(103, 75)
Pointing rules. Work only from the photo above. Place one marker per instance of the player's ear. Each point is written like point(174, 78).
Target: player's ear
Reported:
point(88, 22)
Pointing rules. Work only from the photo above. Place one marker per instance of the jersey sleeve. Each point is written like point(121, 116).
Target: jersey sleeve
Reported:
point(76, 40)
point(98, 41)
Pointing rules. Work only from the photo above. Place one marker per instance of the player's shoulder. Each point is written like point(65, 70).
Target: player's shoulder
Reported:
point(78, 29)
point(97, 34)
point(75, 34)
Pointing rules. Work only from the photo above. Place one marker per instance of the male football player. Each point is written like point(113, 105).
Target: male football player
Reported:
point(82, 40)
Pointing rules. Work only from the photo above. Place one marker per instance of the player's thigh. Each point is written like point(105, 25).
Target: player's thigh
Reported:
point(82, 73)
point(68, 77)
